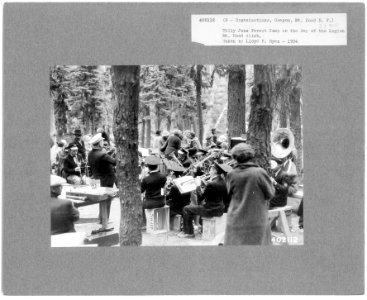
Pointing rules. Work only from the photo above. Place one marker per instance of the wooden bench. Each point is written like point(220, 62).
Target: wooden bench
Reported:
point(279, 213)
point(157, 220)
point(213, 226)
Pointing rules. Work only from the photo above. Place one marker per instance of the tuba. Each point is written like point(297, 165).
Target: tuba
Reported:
point(282, 143)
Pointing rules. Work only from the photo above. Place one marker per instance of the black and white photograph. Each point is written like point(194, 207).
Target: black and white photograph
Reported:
point(176, 155)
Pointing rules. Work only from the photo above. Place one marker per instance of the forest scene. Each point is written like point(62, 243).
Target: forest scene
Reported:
point(210, 109)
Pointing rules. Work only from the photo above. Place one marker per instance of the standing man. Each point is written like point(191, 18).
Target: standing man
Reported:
point(163, 141)
point(79, 143)
point(156, 140)
point(72, 165)
point(173, 144)
point(101, 165)
point(250, 189)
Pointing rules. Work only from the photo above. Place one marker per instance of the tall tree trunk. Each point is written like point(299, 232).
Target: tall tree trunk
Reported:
point(198, 84)
point(296, 128)
point(168, 123)
point(193, 125)
point(142, 137)
point(236, 101)
point(125, 81)
point(149, 128)
point(158, 119)
point(283, 115)
point(262, 105)
point(60, 108)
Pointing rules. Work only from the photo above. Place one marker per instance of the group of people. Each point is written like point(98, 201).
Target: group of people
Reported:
point(72, 164)
point(246, 193)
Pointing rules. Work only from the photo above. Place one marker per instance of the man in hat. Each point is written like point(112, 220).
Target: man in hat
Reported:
point(79, 143)
point(250, 189)
point(101, 165)
point(72, 166)
point(153, 185)
point(212, 202)
point(63, 212)
point(173, 144)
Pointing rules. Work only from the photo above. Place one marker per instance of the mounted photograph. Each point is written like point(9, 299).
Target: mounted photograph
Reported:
point(176, 155)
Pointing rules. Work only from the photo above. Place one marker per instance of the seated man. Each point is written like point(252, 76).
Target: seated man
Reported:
point(175, 200)
point(213, 196)
point(153, 185)
point(72, 165)
point(285, 181)
point(63, 212)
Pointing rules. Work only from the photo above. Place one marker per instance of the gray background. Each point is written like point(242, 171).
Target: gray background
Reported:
point(37, 36)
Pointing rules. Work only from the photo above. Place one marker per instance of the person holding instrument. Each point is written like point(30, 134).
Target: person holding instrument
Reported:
point(153, 186)
point(211, 202)
point(101, 165)
point(72, 166)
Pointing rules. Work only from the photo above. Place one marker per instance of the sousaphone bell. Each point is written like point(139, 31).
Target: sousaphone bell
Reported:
point(282, 143)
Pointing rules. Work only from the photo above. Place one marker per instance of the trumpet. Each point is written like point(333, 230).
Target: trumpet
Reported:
point(204, 179)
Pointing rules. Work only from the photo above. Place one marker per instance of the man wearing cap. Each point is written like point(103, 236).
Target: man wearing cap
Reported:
point(212, 199)
point(72, 165)
point(173, 144)
point(79, 143)
point(101, 165)
point(63, 212)
point(250, 189)
point(153, 185)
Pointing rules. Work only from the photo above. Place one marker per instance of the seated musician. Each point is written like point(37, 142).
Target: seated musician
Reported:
point(63, 212)
point(211, 202)
point(175, 200)
point(72, 165)
point(184, 158)
point(153, 185)
point(284, 180)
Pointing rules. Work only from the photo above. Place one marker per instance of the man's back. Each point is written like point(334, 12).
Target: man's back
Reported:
point(100, 163)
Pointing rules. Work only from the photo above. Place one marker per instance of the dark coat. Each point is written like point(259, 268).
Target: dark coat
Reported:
point(152, 185)
point(173, 145)
point(81, 148)
point(250, 189)
point(63, 216)
point(69, 166)
point(177, 201)
point(101, 166)
point(214, 194)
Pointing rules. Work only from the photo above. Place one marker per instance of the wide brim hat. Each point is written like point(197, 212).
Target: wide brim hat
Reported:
point(57, 180)
point(152, 160)
point(96, 139)
point(165, 133)
point(78, 132)
point(224, 168)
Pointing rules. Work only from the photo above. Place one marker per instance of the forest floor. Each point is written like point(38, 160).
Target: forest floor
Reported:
point(89, 221)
